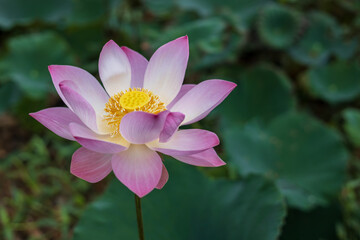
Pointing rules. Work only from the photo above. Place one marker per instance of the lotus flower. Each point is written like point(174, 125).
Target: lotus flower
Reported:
point(122, 128)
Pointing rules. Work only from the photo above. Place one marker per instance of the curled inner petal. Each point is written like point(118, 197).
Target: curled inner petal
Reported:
point(133, 99)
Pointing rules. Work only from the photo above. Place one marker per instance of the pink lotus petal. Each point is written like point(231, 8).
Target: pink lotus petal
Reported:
point(202, 99)
point(163, 179)
point(138, 168)
point(90, 166)
point(166, 69)
point(87, 86)
point(114, 68)
point(138, 67)
point(186, 142)
point(207, 158)
point(184, 89)
point(141, 127)
point(57, 120)
point(80, 106)
point(172, 123)
point(95, 142)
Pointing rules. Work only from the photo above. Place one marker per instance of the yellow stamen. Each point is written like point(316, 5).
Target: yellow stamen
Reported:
point(133, 99)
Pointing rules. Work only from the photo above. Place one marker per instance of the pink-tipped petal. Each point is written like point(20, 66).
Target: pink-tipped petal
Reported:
point(207, 158)
point(138, 67)
point(166, 69)
point(80, 106)
point(138, 168)
point(87, 85)
point(141, 127)
point(184, 89)
point(171, 125)
point(202, 99)
point(114, 68)
point(186, 142)
point(95, 142)
point(90, 166)
point(163, 179)
point(57, 120)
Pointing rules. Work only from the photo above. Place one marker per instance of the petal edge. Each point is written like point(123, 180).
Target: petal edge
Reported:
point(202, 99)
point(90, 166)
point(138, 168)
point(207, 158)
point(114, 68)
point(186, 142)
point(166, 69)
point(57, 120)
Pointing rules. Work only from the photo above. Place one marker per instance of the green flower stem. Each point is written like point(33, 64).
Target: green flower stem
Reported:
point(139, 217)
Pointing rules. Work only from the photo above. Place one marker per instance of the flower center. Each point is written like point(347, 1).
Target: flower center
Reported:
point(133, 99)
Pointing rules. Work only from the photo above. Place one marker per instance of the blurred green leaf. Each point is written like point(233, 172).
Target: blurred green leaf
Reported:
point(345, 49)
point(25, 106)
point(245, 10)
point(203, 34)
point(28, 57)
point(352, 125)
point(318, 224)
point(203, 7)
point(336, 82)
point(228, 53)
point(6, 223)
point(350, 226)
point(306, 158)
point(278, 26)
point(350, 5)
point(86, 41)
point(189, 207)
point(9, 96)
point(86, 11)
point(206, 40)
point(316, 45)
point(160, 7)
point(262, 93)
point(24, 11)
